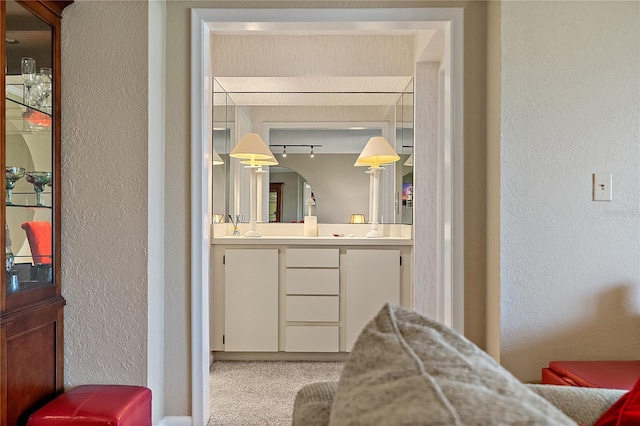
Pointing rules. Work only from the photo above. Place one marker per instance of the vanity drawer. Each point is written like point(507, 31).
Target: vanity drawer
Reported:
point(312, 258)
point(303, 338)
point(313, 281)
point(313, 308)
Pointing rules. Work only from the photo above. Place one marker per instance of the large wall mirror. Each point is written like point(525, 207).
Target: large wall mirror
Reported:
point(316, 137)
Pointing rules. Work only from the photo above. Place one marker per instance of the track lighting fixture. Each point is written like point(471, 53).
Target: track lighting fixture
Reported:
point(297, 150)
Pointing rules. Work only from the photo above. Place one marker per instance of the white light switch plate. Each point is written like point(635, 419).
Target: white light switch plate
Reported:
point(602, 190)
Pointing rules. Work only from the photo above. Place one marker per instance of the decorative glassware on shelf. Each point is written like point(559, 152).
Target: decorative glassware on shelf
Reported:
point(9, 258)
point(12, 175)
point(235, 225)
point(11, 273)
point(37, 86)
point(39, 180)
point(41, 97)
point(28, 68)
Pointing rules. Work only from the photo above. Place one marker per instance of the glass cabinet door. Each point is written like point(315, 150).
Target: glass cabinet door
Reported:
point(29, 152)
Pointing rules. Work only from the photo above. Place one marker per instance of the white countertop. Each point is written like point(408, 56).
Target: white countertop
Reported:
point(317, 241)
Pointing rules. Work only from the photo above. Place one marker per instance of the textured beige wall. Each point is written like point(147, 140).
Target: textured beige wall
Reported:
point(177, 275)
point(104, 191)
point(570, 276)
point(428, 151)
point(295, 56)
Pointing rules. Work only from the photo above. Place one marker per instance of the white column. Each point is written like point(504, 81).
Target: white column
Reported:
point(259, 195)
point(370, 214)
point(253, 232)
point(374, 233)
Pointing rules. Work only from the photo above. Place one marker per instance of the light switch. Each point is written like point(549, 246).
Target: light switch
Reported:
point(602, 186)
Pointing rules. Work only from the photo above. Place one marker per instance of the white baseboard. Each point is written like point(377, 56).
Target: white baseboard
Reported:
point(175, 421)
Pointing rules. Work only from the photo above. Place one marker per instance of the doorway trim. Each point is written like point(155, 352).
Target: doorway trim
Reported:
point(451, 20)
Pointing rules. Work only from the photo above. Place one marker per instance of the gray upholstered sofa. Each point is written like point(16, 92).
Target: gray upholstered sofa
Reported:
point(407, 370)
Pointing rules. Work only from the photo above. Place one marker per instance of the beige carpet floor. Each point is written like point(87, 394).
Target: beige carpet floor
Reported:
point(248, 393)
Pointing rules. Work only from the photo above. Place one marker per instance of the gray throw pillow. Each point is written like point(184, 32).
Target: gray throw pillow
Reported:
point(405, 369)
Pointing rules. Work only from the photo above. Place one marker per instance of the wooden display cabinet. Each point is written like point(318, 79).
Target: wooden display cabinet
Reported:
point(31, 304)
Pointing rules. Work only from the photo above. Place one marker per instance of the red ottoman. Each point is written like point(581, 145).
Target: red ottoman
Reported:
point(97, 405)
point(592, 374)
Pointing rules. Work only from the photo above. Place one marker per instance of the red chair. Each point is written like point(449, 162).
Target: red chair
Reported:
point(40, 241)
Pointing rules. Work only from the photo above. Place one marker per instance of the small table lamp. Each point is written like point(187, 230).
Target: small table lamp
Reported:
point(256, 153)
point(357, 218)
point(259, 174)
point(376, 153)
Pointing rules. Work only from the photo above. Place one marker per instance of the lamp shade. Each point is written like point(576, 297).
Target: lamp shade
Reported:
point(377, 152)
point(357, 218)
point(217, 160)
point(409, 162)
point(251, 147)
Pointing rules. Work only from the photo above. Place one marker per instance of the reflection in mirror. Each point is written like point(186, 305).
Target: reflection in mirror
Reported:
point(339, 188)
point(288, 192)
point(404, 135)
point(222, 139)
point(322, 135)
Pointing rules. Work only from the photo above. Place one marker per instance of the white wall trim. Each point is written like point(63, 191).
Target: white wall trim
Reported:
point(201, 134)
point(174, 421)
point(155, 206)
point(255, 20)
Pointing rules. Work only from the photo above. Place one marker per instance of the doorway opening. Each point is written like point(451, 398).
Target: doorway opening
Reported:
point(446, 254)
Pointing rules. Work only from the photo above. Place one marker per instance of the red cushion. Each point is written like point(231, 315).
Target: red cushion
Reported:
point(625, 411)
point(39, 236)
point(598, 374)
point(96, 405)
point(551, 378)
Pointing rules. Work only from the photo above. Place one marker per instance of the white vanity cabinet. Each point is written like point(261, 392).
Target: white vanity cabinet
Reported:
point(302, 298)
point(312, 305)
point(251, 300)
point(373, 279)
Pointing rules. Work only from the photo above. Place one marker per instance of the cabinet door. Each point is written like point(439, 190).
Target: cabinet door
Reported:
point(251, 300)
point(31, 305)
point(31, 155)
point(373, 279)
point(32, 368)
